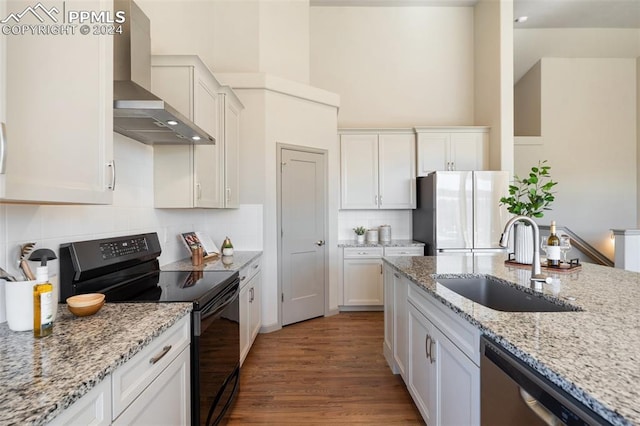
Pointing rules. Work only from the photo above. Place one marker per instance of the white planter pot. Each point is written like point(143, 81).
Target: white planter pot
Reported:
point(523, 243)
point(360, 239)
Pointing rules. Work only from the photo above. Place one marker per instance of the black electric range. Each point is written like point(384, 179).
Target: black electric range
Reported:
point(126, 269)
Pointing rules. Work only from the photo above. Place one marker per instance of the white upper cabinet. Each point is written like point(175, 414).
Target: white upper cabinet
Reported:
point(230, 108)
point(452, 148)
point(377, 169)
point(204, 176)
point(58, 111)
point(188, 175)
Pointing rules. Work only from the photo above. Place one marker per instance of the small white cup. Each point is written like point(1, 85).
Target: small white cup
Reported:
point(19, 302)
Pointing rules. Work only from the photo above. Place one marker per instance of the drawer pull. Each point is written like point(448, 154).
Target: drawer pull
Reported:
point(242, 278)
point(158, 357)
point(255, 266)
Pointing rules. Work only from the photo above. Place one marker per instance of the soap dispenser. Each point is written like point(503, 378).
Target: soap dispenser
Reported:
point(43, 302)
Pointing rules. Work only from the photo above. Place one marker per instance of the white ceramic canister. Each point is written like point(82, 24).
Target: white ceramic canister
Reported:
point(385, 233)
point(19, 300)
point(372, 235)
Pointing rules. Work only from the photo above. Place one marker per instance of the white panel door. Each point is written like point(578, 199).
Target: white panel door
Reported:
point(359, 170)
point(59, 110)
point(303, 207)
point(422, 374)
point(466, 151)
point(363, 282)
point(400, 323)
point(397, 173)
point(208, 176)
point(489, 216)
point(231, 153)
point(454, 210)
point(433, 152)
point(458, 384)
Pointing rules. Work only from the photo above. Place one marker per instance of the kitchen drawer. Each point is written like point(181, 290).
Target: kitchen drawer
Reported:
point(462, 333)
point(404, 251)
point(249, 271)
point(362, 252)
point(130, 379)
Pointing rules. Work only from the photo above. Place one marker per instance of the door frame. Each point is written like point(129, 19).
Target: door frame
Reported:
point(280, 146)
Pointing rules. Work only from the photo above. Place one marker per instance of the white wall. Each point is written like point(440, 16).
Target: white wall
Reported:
point(493, 35)
point(132, 212)
point(527, 107)
point(285, 113)
point(589, 137)
point(284, 39)
point(395, 66)
point(532, 44)
point(400, 222)
point(234, 35)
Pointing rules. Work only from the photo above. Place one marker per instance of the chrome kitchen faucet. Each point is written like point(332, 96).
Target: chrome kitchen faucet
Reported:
point(536, 270)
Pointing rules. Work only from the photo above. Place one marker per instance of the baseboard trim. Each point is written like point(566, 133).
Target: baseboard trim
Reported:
point(270, 328)
point(360, 308)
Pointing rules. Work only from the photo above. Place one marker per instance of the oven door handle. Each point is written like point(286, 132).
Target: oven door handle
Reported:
point(217, 309)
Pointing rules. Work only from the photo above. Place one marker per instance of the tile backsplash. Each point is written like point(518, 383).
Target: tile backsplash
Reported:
point(132, 212)
point(399, 220)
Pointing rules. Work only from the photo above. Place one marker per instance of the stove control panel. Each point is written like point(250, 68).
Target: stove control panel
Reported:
point(124, 247)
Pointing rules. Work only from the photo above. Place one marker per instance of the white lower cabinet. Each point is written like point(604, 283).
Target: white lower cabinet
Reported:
point(94, 408)
point(395, 321)
point(436, 352)
point(444, 383)
point(167, 400)
point(250, 312)
point(151, 388)
point(362, 274)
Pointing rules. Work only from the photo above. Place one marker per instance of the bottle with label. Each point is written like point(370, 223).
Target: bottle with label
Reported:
point(553, 247)
point(42, 303)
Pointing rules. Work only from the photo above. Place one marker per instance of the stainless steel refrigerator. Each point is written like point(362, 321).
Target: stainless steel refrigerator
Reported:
point(460, 212)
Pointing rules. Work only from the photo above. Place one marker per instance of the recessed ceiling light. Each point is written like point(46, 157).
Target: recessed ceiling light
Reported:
point(172, 123)
point(521, 19)
point(195, 138)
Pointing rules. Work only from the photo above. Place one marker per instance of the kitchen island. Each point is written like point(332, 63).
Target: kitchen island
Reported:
point(40, 378)
point(592, 354)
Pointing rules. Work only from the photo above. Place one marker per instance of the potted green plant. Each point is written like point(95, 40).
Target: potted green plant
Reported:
point(530, 196)
point(360, 230)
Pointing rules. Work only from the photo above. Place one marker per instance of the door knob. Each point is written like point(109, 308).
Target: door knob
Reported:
point(320, 243)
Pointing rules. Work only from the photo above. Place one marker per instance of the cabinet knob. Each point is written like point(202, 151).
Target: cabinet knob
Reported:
point(320, 243)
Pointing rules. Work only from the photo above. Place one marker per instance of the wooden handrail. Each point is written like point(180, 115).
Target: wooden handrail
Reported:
point(591, 252)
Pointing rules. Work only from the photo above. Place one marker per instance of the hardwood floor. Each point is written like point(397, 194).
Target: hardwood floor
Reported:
point(323, 371)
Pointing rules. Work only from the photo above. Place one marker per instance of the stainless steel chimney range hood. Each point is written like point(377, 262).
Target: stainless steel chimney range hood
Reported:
point(138, 113)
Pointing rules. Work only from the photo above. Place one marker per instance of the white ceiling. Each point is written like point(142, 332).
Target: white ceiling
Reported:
point(541, 13)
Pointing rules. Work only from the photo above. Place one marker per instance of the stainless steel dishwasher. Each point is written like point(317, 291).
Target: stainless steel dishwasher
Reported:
point(514, 394)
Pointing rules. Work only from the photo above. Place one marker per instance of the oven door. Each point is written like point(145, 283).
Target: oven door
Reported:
point(216, 358)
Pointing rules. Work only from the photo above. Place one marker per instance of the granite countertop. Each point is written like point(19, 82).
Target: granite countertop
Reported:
point(392, 243)
point(221, 263)
point(39, 378)
point(592, 354)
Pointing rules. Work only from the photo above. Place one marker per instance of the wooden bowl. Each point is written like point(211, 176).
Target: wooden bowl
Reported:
point(83, 305)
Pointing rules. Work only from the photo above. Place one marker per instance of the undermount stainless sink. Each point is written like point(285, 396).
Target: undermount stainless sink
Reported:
point(494, 294)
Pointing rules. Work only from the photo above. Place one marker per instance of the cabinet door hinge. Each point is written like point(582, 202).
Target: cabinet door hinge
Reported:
point(282, 297)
